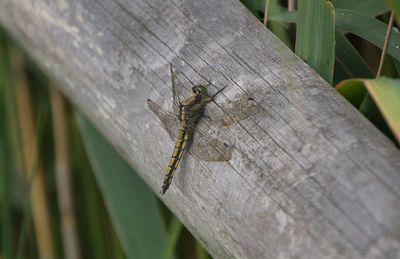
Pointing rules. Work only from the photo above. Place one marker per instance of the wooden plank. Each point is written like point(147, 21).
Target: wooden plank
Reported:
point(308, 176)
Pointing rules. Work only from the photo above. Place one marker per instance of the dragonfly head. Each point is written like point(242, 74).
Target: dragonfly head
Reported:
point(200, 90)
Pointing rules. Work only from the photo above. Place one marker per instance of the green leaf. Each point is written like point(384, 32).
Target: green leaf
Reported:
point(369, 29)
point(348, 63)
point(6, 221)
point(278, 28)
point(395, 5)
point(385, 93)
point(201, 253)
point(368, 7)
point(131, 204)
point(353, 90)
point(396, 66)
point(361, 25)
point(369, 109)
point(251, 5)
point(315, 37)
point(255, 6)
point(175, 230)
point(284, 17)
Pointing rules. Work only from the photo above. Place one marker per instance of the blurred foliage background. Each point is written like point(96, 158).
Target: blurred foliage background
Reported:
point(66, 193)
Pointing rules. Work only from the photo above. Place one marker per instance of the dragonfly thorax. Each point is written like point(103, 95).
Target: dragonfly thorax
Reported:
point(191, 109)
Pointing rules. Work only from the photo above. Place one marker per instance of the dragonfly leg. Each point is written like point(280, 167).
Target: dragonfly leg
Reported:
point(206, 116)
point(213, 96)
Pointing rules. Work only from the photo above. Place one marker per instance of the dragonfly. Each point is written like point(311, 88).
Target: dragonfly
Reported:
point(189, 112)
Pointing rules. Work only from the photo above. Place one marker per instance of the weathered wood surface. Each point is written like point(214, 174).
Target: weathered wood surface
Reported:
point(308, 176)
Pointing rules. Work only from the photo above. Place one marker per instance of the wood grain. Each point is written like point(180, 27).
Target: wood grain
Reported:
point(308, 177)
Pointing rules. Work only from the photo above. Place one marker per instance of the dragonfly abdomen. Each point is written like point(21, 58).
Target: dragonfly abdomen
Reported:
point(183, 136)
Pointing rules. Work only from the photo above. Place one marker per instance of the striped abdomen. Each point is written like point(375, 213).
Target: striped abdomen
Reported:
point(183, 136)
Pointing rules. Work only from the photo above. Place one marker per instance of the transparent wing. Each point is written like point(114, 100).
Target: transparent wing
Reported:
point(202, 145)
point(233, 111)
point(208, 148)
point(175, 92)
point(169, 120)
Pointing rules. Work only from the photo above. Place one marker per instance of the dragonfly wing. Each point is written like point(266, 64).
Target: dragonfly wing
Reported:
point(175, 92)
point(207, 147)
point(169, 120)
point(233, 111)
